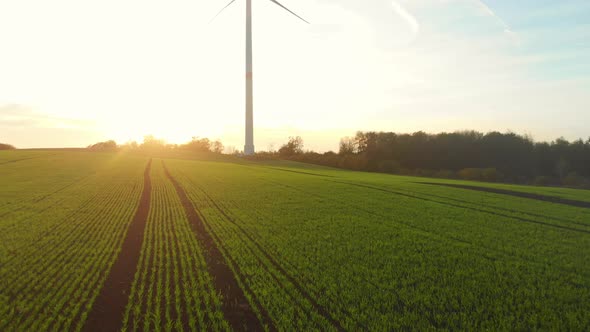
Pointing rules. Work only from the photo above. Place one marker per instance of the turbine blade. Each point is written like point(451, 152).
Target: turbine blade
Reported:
point(287, 9)
point(221, 11)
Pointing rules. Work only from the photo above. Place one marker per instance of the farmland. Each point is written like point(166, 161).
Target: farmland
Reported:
point(134, 242)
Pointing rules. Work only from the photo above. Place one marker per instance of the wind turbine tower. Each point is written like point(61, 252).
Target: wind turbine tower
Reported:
point(249, 142)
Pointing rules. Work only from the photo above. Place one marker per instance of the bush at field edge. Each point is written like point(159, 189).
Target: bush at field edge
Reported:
point(4, 146)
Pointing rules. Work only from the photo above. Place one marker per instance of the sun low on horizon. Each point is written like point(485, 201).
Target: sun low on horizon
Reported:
point(294, 165)
point(77, 72)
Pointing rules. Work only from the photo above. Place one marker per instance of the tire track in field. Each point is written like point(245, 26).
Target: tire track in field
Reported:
point(311, 299)
point(538, 197)
point(495, 207)
point(542, 223)
point(38, 260)
point(235, 305)
point(68, 258)
point(419, 229)
point(37, 243)
point(45, 196)
point(109, 307)
point(28, 158)
point(318, 307)
point(300, 172)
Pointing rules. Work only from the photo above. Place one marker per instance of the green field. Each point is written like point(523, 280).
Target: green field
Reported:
point(303, 247)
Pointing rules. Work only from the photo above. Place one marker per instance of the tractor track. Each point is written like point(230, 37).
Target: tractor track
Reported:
point(235, 305)
point(109, 306)
point(538, 197)
point(300, 288)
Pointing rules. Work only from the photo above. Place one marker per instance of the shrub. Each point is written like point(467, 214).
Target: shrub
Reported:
point(542, 181)
point(389, 166)
point(4, 146)
point(574, 180)
point(354, 162)
point(293, 147)
point(490, 175)
point(444, 174)
point(104, 146)
point(471, 174)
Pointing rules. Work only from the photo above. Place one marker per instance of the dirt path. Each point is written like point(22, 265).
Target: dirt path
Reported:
point(551, 199)
point(235, 305)
point(109, 307)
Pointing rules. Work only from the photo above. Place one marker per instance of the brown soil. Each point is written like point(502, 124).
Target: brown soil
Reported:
point(109, 307)
point(235, 305)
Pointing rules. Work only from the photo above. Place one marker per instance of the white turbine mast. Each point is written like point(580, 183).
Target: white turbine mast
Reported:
point(249, 144)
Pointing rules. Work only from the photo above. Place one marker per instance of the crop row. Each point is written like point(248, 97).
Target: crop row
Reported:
point(381, 260)
point(172, 288)
point(51, 278)
point(287, 301)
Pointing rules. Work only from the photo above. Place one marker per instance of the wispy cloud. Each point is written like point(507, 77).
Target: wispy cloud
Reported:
point(16, 115)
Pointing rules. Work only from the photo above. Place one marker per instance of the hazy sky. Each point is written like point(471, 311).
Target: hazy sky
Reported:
point(73, 72)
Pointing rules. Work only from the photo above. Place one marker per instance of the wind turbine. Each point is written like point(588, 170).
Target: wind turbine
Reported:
point(249, 145)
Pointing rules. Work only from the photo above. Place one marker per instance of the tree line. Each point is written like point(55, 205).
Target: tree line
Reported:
point(153, 144)
point(470, 155)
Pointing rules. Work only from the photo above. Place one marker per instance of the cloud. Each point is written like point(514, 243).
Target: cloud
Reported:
point(16, 115)
point(22, 126)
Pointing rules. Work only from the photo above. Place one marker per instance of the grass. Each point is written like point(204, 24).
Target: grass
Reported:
point(313, 248)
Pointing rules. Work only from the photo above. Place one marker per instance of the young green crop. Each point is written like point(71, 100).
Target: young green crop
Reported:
point(65, 217)
point(172, 289)
point(382, 252)
point(312, 248)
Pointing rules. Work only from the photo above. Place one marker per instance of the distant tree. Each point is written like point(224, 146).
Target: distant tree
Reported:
point(493, 156)
point(542, 181)
point(132, 145)
point(4, 146)
point(490, 175)
point(109, 145)
point(389, 166)
point(271, 148)
point(232, 150)
point(348, 145)
point(217, 146)
point(293, 147)
point(199, 145)
point(152, 143)
point(561, 168)
point(573, 180)
point(444, 174)
point(354, 162)
point(471, 174)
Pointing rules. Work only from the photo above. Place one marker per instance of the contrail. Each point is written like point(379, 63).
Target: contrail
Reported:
point(490, 12)
point(409, 18)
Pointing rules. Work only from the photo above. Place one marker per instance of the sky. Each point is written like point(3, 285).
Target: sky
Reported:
point(75, 72)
